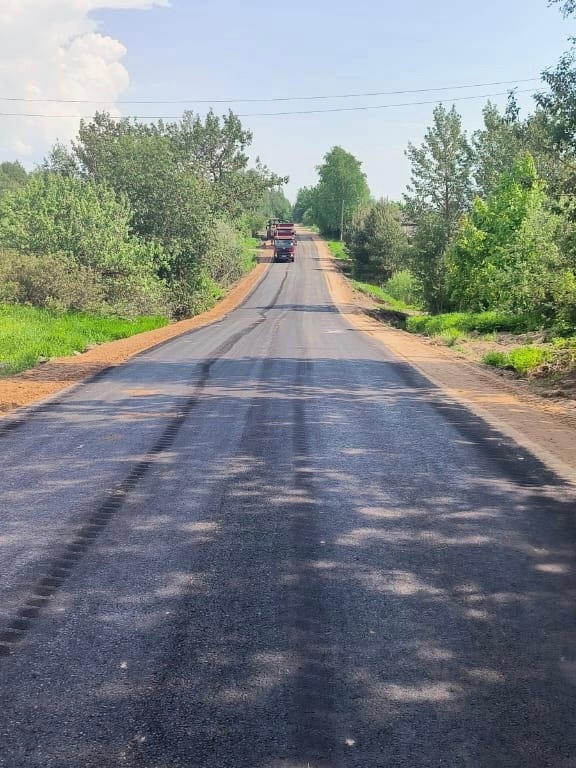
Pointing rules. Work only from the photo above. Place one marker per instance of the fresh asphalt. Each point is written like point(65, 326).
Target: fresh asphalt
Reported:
point(270, 543)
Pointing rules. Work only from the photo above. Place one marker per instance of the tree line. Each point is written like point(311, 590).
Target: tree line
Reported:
point(488, 222)
point(135, 218)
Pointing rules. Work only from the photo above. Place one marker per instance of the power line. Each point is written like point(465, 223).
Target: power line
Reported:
point(270, 99)
point(379, 106)
point(279, 114)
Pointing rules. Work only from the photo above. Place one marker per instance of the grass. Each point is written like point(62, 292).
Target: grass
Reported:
point(462, 322)
point(379, 293)
point(28, 333)
point(338, 250)
point(250, 247)
point(522, 360)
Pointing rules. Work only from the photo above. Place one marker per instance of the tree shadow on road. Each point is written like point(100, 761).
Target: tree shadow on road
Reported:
point(327, 564)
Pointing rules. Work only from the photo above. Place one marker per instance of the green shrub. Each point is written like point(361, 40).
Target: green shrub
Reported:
point(403, 286)
point(496, 359)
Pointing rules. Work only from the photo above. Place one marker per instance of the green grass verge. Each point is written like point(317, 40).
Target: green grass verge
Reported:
point(380, 294)
point(521, 360)
point(250, 247)
point(338, 250)
point(29, 333)
point(463, 323)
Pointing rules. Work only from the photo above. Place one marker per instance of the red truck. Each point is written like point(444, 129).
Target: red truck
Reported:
point(284, 248)
point(284, 241)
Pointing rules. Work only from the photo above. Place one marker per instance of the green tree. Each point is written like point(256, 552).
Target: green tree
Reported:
point(505, 256)
point(378, 242)
point(441, 180)
point(86, 223)
point(342, 189)
point(12, 176)
point(496, 146)
point(303, 204)
point(439, 193)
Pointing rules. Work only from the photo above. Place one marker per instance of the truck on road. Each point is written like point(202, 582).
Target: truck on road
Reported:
point(284, 248)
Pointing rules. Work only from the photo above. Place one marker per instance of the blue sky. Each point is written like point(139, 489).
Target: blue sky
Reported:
point(219, 50)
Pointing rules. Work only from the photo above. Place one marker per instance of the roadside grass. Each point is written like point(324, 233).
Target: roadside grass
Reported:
point(555, 358)
point(465, 323)
point(522, 360)
point(250, 247)
point(383, 296)
point(338, 250)
point(28, 334)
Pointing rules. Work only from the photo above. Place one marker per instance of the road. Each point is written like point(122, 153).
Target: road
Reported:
point(270, 543)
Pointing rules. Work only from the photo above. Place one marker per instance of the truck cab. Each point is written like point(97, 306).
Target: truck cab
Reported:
point(284, 249)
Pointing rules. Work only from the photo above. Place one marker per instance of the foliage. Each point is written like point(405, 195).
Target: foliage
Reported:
point(403, 286)
point(522, 360)
point(438, 195)
point(12, 177)
point(303, 204)
point(273, 205)
point(559, 104)
point(505, 256)
point(496, 146)
point(441, 172)
point(341, 190)
point(188, 196)
point(86, 224)
point(52, 281)
point(338, 250)
point(482, 322)
point(380, 294)
point(29, 333)
point(427, 261)
point(376, 241)
point(567, 6)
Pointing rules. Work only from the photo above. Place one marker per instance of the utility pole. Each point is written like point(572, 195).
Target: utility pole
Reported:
point(342, 220)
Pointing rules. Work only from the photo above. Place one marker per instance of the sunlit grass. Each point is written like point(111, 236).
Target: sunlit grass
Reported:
point(28, 334)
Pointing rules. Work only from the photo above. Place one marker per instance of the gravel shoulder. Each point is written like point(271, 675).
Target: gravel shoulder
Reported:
point(545, 426)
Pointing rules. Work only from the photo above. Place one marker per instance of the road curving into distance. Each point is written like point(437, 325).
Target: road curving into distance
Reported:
point(270, 543)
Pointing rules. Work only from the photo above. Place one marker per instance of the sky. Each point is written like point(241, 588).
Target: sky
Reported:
point(224, 53)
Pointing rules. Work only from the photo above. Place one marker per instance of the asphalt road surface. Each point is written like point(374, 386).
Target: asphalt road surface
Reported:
point(270, 543)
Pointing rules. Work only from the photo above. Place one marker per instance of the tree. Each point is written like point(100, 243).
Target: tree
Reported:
point(438, 195)
point(303, 204)
point(87, 224)
point(12, 176)
point(505, 256)
point(496, 146)
point(568, 6)
point(559, 104)
point(342, 189)
point(377, 241)
point(441, 172)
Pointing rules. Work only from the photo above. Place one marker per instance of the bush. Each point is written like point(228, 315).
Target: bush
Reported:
point(59, 283)
point(404, 287)
point(54, 282)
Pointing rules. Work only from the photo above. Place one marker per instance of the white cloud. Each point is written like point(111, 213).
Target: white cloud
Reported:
point(52, 49)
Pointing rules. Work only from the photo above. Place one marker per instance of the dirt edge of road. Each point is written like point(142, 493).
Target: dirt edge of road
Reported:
point(546, 429)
